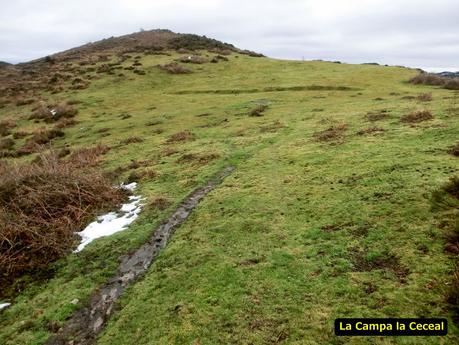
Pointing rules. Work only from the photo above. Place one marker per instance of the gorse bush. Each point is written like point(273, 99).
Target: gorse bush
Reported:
point(427, 79)
point(452, 84)
point(39, 139)
point(195, 42)
point(196, 59)
point(175, 68)
point(436, 80)
point(42, 205)
point(53, 113)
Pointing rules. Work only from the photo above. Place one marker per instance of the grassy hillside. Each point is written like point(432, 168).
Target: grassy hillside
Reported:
point(326, 215)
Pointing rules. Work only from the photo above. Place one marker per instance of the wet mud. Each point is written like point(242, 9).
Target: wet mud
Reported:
point(85, 324)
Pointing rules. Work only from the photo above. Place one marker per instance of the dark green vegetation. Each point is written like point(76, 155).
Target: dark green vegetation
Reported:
point(328, 214)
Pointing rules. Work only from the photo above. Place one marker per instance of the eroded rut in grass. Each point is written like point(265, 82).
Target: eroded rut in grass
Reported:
point(85, 324)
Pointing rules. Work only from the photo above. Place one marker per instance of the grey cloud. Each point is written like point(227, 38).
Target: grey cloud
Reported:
point(415, 33)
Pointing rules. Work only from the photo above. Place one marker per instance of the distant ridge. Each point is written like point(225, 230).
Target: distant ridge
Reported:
point(449, 74)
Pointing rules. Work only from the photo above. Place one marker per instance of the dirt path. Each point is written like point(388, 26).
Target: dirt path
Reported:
point(85, 324)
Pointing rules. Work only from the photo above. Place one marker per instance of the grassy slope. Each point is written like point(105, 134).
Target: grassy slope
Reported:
point(253, 265)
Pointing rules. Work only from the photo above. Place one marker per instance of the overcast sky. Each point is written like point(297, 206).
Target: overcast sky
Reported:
point(418, 33)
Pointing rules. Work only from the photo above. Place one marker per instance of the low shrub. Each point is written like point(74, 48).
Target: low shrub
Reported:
point(88, 156)
point(39, 139)
point(273, 127)
point(258, 110)
point(6, 126)
point(22, 102)
point(159, 203)
point(65, 123)
point(218, 58)
point(6, 144)
point(196, 59)
point(378, 115)
point(131, 140)
point(452, 84)
point(427, 79)
point(200, 159)
point(333, 133)
point(51, 113)
point(175, 68)
point(370, 130)
point(417, 116)
point(138, 175)
point(436, 80)
point(43, 137)
point(192, 42)
point(180, 136)
point(454, 150)
point(42, 205)
point(20, 134)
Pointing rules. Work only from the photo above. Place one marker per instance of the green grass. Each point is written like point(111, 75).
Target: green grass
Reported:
point(272, 255)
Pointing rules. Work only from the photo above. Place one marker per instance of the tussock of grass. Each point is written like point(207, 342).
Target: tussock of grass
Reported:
point(132, 140)
point(258, 110)
point(417, 116)
point(454, 150)
point(197, 158)
point(425, 97)
point(6, 126)
point(371, 130)
point(65, 123)
point(378, 115)
point(159, 203)
point(40, 138)
point(273, 127)
point(6, 144)
point(139, 175)
point(333, 133)
point(180, 137)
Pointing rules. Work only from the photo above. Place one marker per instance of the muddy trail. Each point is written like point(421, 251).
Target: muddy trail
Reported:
point(85, 324)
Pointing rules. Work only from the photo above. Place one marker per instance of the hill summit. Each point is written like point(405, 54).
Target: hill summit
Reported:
point(147, 41)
